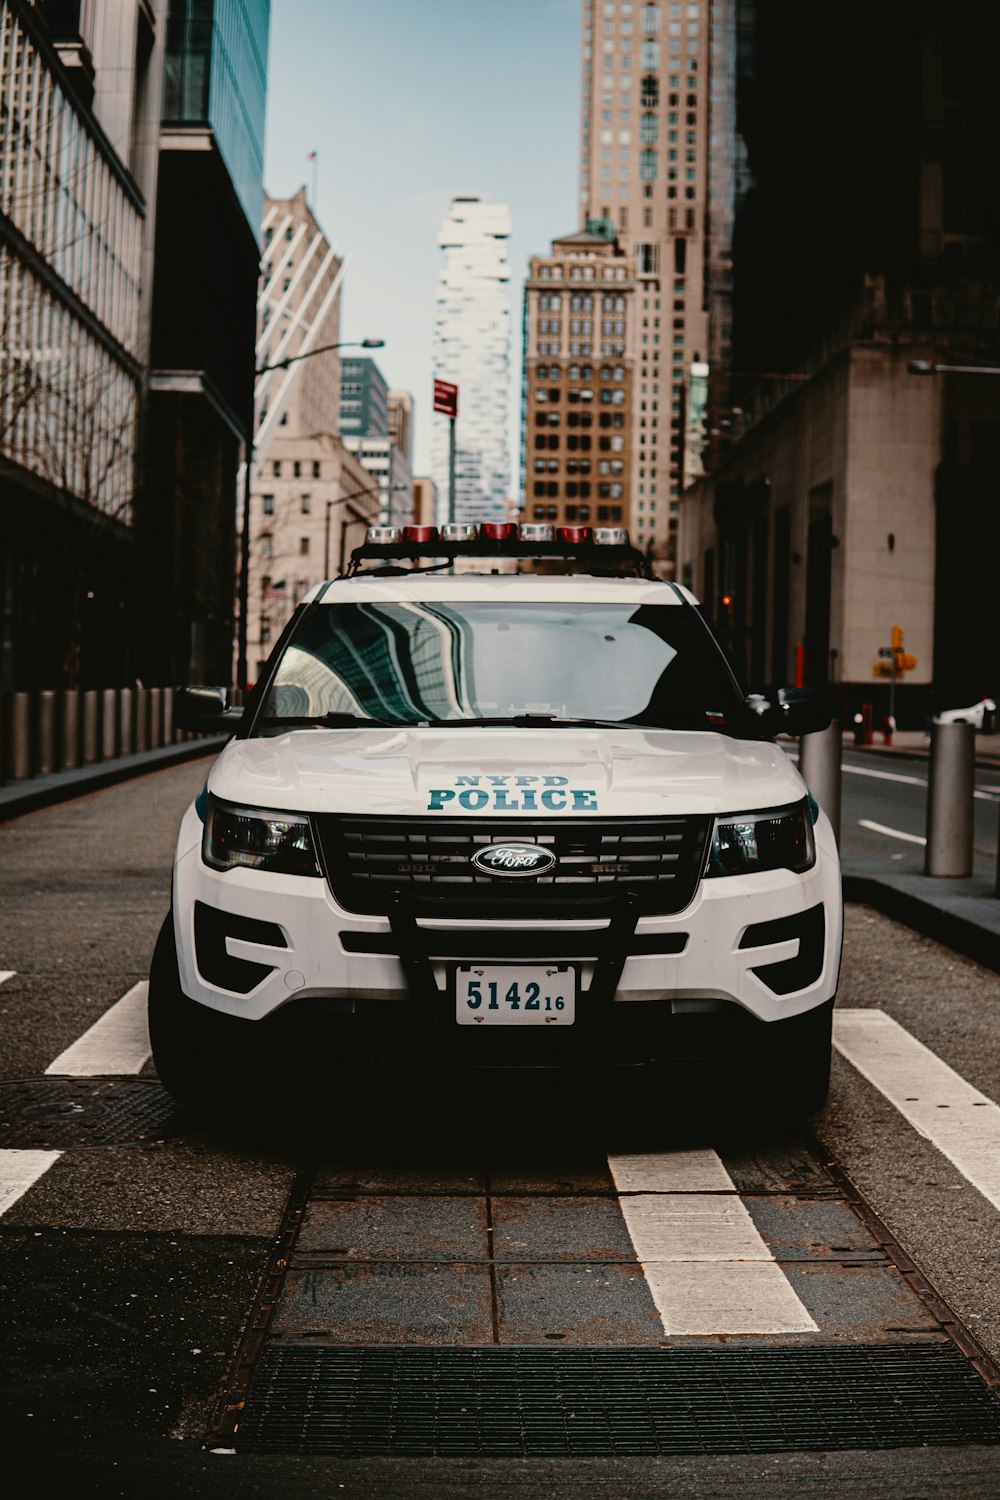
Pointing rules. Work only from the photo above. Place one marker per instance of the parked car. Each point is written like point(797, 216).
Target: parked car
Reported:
point(496, 820)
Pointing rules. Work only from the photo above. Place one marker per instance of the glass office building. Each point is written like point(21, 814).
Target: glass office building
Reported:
point(216, 76)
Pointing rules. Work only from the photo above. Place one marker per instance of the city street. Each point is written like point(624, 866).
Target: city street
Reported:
point(421, 1288)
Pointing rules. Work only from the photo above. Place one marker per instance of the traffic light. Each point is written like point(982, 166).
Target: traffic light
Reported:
point(726, 606)
point(897, 639)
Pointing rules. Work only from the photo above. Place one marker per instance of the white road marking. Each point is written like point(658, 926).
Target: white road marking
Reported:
point(707, 1267)
point(20, 1170)
point(961, 1122)
point(6, 974)
point(893, 833)
point(884, 775)
point(117, 1043)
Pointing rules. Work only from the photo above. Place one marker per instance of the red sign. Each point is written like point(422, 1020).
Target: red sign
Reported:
point(446, 398)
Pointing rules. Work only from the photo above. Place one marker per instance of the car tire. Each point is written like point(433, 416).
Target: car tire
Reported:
point(200, 1055)
point(796, 1066)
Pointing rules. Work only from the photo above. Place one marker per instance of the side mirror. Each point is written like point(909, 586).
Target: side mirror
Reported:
point(205, 710)
point(796, 711)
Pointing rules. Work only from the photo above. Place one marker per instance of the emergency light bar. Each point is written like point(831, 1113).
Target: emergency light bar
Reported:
point(601, 546)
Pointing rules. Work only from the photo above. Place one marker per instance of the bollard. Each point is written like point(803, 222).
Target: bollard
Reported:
point(155, 718)
point(126, 720)
point(90, 726)
point(142, 719)
point(949, 801)
point(109, 724)
point(169, 732)
point(20, 736)
point(69, 754)
point(45, 723)
point(819, 761)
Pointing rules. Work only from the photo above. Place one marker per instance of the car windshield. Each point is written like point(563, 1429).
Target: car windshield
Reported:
point(522, 662)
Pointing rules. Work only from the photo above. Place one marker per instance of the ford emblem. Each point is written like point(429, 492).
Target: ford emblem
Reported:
point(514, 860)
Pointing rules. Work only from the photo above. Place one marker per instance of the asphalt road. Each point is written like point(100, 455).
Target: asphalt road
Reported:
point(129, 1273)
point(884, 811)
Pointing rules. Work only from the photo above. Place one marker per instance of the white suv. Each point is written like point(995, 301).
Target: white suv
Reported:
point(501, 819)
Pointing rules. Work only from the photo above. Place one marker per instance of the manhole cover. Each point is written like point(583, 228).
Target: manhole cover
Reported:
point(56, 1114)
point(527, 1402)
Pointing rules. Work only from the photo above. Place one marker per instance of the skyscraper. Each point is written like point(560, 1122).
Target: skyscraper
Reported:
point(472, 350)
point(643, 168)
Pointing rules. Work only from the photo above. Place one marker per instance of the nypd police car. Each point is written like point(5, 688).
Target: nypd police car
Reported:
point(498, 801)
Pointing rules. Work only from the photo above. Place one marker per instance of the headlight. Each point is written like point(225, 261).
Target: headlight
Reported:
point(781, 839)
point(279, 842)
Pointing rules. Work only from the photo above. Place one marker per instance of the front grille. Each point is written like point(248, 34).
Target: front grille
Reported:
point(371, 860)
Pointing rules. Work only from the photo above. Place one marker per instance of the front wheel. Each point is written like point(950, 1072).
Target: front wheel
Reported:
point(802, 1061)
point(201, 1056)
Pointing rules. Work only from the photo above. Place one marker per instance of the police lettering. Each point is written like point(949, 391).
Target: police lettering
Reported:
point(512, 793)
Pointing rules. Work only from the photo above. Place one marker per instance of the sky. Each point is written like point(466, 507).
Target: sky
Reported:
point(409, 102)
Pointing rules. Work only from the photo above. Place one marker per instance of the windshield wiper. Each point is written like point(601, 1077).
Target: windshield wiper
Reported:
point(546, 721)
point(335, 721)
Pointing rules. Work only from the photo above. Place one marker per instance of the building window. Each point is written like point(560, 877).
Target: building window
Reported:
point(276, 468)
point(303, 546)
point(297, 469)
point(268, 504)
point(316, 468)
point(306, 504)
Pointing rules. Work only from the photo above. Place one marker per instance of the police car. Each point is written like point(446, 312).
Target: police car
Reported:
point(498, 801)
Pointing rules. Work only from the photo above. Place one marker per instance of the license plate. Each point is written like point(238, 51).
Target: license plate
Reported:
point(509, 995)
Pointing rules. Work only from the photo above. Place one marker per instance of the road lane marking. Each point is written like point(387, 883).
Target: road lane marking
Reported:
point(117, 1043)
point(892, 833)
point(884, 775)
point(20, 1170)
point(6, 974)
point(706, 1264)
point(961, 1122)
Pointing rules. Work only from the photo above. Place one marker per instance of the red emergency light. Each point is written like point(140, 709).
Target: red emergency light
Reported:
point(420, 533)
point(497, 531)
point(573, 534)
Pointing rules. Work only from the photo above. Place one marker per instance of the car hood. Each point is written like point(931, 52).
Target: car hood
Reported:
point(513, 772)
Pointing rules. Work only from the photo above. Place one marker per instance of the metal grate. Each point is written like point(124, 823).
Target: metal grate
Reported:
point(528, 1402)
point(369, 859)
point(55, 1114)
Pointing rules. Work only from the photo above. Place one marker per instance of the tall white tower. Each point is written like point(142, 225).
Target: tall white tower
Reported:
point(472, 351)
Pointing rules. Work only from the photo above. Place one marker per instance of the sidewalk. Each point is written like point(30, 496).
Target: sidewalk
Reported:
point(19, 797)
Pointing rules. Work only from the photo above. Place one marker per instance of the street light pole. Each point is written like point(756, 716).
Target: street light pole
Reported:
point(243, 593)
point(342, 500)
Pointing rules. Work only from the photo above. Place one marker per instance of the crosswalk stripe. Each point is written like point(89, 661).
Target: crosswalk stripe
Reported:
point(19, 1170)
point(961, 1122)
point(707, 1266)
point(117, 1043)
point(6, 974)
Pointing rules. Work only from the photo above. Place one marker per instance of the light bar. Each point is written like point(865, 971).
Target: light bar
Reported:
point(383, 536)
point(573, 534)
point(455, 532)
point(610, 536)
point(420, 533)
point(497, 531)
point(531, 532)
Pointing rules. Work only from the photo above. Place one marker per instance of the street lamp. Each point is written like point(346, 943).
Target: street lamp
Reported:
point(248, 444)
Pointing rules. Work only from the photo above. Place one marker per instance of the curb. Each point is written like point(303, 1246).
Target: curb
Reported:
point(46, 791)
point(954, 931)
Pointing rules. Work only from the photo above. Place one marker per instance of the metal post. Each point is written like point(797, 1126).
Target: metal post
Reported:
point(20, 736)
point(126, 720)
point(949, 801)
point(244, 591)
point(451, 469)
point(91, 718)
point(820, 761)
point(109, 725)
point(326, 540)
point(70, 757)
point(45, 758)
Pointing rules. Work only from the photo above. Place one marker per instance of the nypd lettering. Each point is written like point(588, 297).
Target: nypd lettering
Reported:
point(512, 793)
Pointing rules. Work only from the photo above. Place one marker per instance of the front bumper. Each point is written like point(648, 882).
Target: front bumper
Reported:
point(251, 944)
